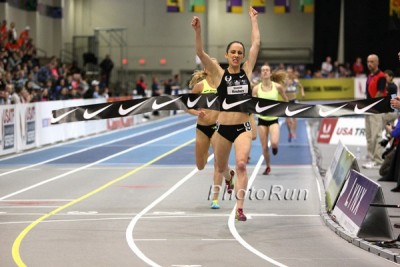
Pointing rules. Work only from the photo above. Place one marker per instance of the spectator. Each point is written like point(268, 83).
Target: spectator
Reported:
point(358, 68)
point(96, 89)
point(106, 67)
point(155, 91)
point(391, 87)
point(326, 67)
point(167, 87)
point(376, 87)
point(3, 33)
point(141, 86)
point(23, 37)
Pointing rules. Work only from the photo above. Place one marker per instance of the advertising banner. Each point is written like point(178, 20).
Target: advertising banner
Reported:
point(354, 213)
point(8, 129)
point(339, 169)
point(350, 131)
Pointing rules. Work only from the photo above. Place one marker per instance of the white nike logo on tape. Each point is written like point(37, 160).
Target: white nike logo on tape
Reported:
point(158, 106)
point(362, 110)
point(88, 115)
point(55, 120)
point(327, 113)
point(123, 111)
point(292, 113)
point(191, 104)
point(261, 109)
point(234, 104)
point(209, 103)
point(241, 76)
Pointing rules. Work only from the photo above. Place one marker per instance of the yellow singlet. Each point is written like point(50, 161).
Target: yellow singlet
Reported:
point(271, 95)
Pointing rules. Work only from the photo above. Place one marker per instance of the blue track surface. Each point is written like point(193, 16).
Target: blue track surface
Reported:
point(296, 152)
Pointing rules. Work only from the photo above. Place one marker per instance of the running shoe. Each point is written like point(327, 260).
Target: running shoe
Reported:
point(274, 151)
point(230, 183)
point(267, 171)
point(214, 204)
point(240, 215)
point(290, 138)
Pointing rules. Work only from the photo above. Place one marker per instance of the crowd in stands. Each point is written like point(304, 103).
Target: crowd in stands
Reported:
point(23, 79)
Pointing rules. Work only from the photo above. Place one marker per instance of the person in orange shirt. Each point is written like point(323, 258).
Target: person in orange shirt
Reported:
point(23, 37)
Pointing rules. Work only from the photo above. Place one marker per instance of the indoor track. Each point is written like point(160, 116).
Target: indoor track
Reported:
point(134, 197)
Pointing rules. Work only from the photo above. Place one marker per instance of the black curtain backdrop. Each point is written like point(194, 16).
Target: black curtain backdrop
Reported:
point(326, 30)
point(368, 29)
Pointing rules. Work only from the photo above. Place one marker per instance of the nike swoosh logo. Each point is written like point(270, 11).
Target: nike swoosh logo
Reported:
point(57, 119)
point(261, 109)
point(88, 116)
point(158, 106)
point(123, 111)
point(362, 110)
point(191, 104)
point(234, 104)
point(241, 76)
point(209, 103)
point(294, 112)
point(329, 112)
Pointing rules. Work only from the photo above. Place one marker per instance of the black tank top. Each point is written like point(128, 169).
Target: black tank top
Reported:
point(234, 84)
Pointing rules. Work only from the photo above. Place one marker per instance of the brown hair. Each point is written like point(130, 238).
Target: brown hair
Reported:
point(279, 76)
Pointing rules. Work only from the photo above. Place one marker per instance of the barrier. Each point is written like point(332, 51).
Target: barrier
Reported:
point(27, 126)
point(343, 161)
point(355, 213)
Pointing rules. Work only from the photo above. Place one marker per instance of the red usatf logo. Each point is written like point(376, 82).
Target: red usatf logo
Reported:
point(326, 130)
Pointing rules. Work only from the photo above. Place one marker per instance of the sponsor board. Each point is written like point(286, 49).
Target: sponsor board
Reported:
point(353, 210)
point(349, 131)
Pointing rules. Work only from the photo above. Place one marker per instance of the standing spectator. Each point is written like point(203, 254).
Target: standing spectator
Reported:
point(155, 91)
point(358, 67)
point(106, 66)
point(326, 67)
point(391, 87)
point(167, 87)
point(176, 85)
point(141, 86)
point(376, 87)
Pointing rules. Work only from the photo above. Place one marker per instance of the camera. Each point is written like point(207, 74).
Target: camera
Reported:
point(386, 139)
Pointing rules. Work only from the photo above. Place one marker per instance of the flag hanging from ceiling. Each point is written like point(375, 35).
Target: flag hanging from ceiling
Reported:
point(394, 7)
point(258, 5)
point(306, 6)
point(174, 6)
point(281, 6)
point(234, 6)
point(198, 6)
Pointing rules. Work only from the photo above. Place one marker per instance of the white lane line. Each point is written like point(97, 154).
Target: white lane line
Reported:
point(37, 200)
point(314, 163)
point(131, 226)
point(96, 162)
point(231, 220)
point(129, 217)
point(88, 148)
